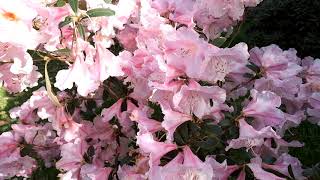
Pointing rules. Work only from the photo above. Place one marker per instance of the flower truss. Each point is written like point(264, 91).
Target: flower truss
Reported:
point(146, 92)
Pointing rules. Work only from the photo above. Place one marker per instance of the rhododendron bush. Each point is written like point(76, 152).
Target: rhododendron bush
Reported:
point(149, 89)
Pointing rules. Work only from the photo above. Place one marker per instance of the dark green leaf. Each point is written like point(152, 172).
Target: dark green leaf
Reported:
point(193, 128)
point(44, 173)
point(100, 12)
point(181, 135)
point(248, 75)
point(65, 22)
point(209, 144)
point(219, 41)
point(226, 122)
point(127, 160)
point(184, 131)
point(62, 52)
point(60, 3)
point(81, 31)
point(5, 128)
point(178, 139)
point(157, 113)
point(239, 156)
point(253, 67)
point(74, 4)
point(212, 129)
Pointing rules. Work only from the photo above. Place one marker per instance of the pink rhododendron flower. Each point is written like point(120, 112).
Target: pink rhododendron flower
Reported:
point(14, 164)
point(17, 72)
point(78, 74)
point(177, 13)
point(42, 137)
point(21, 60)
point(214, 16)
point(172, 120)
point(9, 142)
point(264, 107)
point(156, 149)
point(89, 71)
point(191, 168)
point(183, 50)
point(11, 162)
point(219, 63)
point(282, 164)
point(313, 73)
point(47, 24)
point(221, 170)
point(114, 110)
point(39, 102)
point(127, 38)
point(72, 156)
point(195, 99)
point(66, 127)
point(15, 83)
point(259, 173)
point(276, 63)
point(145, 123)
point(314, 101)
point(134, 172)
point(249, 137)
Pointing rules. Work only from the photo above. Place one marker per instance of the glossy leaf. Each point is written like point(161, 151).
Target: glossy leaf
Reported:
point(98, 12)
point(219, 41)
point(81, 31)
point(65, 22)
point(74, 4)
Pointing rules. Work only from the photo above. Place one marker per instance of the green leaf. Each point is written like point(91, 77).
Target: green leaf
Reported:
point(108, 1)
point(184, 130)
point(248, 75)
point(45, 173)
point(62, 52)
point(212, 129)
point(239, 156)
point(157, 113)
point(209, 144)
point(65, 22)
point(178, 139)
point(81, 31)
point(253, 67)
point(226, 122)
point(60, 3)
point(219, 41)
point(74, 5)
point(5, 128)
point(100, 12)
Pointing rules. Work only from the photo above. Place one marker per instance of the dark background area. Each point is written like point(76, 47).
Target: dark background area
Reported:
point(287, 23)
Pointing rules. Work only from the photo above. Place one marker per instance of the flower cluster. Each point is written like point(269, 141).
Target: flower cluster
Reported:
point(145, 94)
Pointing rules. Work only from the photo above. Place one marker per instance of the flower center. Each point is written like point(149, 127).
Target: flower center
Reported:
point(194, 174)
point(10, 16)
